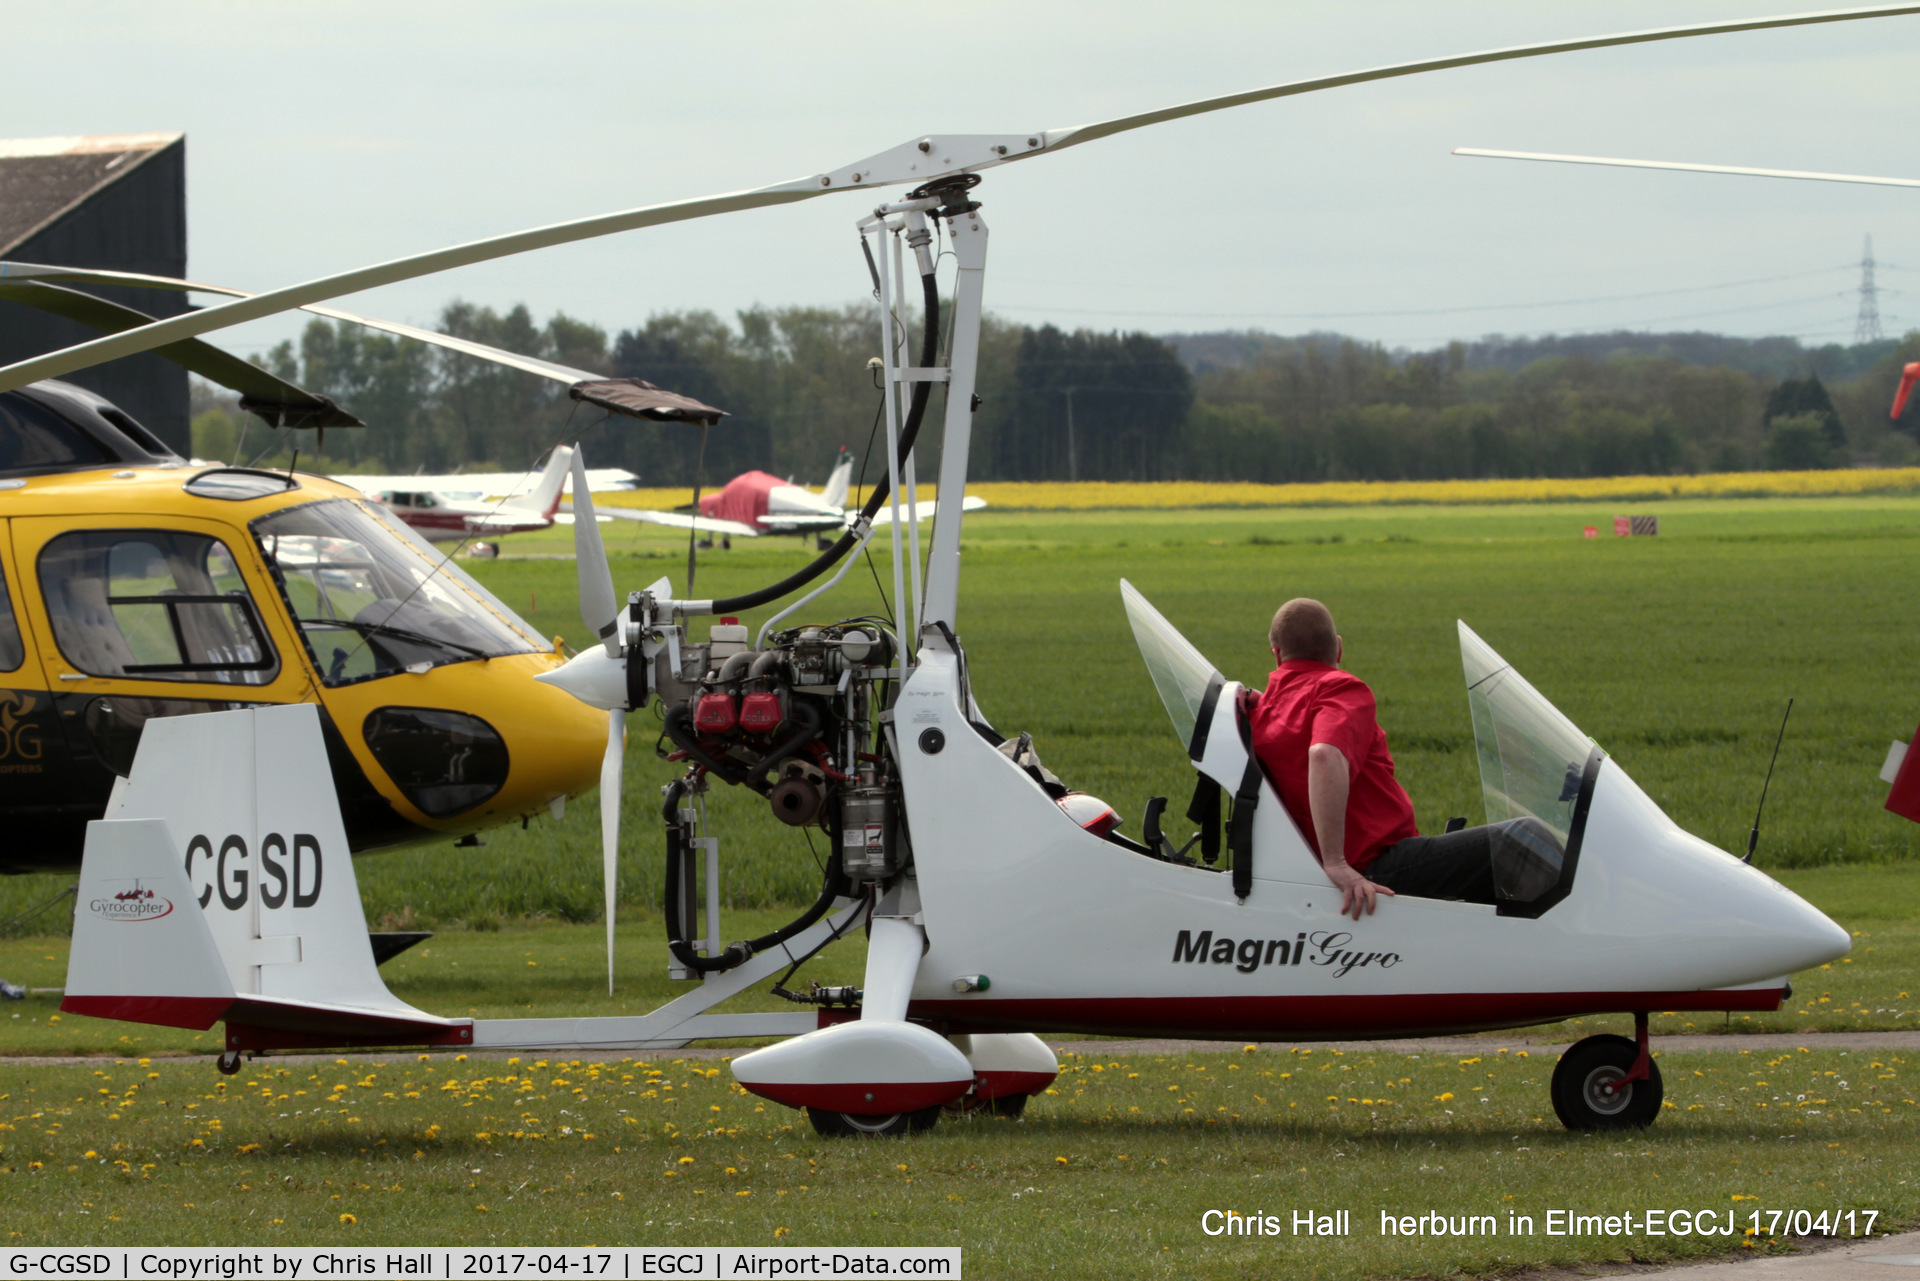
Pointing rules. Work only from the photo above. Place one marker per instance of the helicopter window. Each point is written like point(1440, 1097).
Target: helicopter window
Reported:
point(372, 600)
point(155, 604)
point(1536, 773)
point(35, 439)
point(12, 652)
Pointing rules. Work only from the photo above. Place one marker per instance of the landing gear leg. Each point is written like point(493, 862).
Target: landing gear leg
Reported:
point(1608, 1082)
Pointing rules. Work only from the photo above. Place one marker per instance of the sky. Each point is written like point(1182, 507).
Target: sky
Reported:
point(324, 136)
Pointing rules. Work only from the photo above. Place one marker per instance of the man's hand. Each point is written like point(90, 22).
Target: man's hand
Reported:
point(1356, 891)
point(1327, 785)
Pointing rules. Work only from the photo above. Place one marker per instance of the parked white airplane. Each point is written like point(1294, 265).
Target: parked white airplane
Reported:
point(451, 508)
point(474, 486)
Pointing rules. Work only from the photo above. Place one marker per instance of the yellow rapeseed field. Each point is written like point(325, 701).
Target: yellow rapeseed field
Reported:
point(1085, 495)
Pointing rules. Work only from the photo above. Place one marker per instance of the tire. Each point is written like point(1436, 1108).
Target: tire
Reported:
point(1580, 1096)
point(850, 1125)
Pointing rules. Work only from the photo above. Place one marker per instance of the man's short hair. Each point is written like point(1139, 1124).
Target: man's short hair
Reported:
point(1304, 629)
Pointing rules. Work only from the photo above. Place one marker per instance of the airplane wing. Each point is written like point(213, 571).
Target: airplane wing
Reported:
point(804, 522)
point(926, 510)
point(492, 484)
point(674, 520)
point(505, 522)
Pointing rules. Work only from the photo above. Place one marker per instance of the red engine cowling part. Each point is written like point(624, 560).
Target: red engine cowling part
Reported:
point(715, 713)
point(761, 713)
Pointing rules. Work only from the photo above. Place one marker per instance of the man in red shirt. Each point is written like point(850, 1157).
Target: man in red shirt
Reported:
point(1316, 732)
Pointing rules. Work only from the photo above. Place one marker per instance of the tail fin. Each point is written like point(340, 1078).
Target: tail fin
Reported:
point(545, 496)
point(840, 481)
point(224, 889)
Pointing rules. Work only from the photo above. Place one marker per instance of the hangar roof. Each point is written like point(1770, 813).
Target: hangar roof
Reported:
point(41, 179)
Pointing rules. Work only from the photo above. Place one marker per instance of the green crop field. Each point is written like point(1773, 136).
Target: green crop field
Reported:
point(1677, 653)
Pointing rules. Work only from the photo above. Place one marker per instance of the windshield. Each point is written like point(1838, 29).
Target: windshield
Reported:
point(1180, 672)
point(371, 600)
point(1531, 757)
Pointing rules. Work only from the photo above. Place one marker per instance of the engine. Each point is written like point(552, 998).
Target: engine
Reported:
point(800, 723)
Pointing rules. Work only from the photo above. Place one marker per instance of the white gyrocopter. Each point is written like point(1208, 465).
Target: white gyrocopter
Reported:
point(998, 905)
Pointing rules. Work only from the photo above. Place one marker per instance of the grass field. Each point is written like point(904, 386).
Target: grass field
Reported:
point(1676, 653)
point(1107, 1176)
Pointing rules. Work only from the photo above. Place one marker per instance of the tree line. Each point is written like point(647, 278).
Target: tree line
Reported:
point(1058, 405)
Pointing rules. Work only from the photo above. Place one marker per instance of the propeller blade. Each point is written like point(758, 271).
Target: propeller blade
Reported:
point(1801, 174)
point(918, 162)
point(610, 766)
point(597, 608)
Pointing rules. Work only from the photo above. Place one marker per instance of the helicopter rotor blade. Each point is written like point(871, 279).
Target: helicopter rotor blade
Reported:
point(1617, 163)
point(610, 770)
point(597, 608)
point(241, 310)
point(38, 273)
point(919, 162)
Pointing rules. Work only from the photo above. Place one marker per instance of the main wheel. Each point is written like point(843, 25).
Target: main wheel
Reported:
point(229, 1062)
point(842, 1125)
point(1588, 1095)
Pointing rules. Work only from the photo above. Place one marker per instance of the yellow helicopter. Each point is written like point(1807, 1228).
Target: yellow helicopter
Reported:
point(134, 585)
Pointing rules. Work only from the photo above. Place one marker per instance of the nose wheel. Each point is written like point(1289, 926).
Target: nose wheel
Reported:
point(850, 1125)
point(1606, 1083)
point(229, 1062)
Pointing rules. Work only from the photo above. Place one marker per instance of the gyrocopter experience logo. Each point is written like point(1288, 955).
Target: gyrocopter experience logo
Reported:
point(136, 904)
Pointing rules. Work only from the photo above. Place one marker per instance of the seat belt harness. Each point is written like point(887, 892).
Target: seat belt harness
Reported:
point(1240, 827)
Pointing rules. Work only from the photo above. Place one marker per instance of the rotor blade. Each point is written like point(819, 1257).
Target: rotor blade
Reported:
point(277, 401)
point(1801, 174)
point(610, 766)
point(919, 161)
point(195, 323)
point(597, 608)
point(35, 272)
point(1058, 138)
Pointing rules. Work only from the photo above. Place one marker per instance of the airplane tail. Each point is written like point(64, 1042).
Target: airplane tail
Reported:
point(220, 887)
point(840, 481)
point(545, 496)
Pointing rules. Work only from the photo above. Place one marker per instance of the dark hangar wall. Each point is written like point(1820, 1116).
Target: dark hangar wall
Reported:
point(133, 222)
